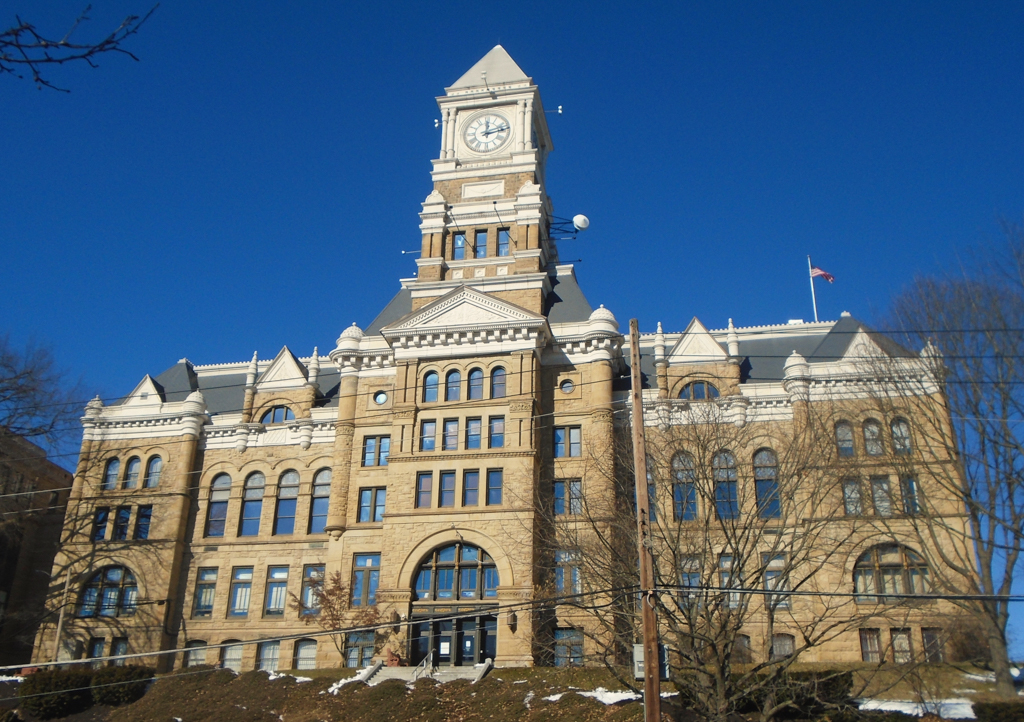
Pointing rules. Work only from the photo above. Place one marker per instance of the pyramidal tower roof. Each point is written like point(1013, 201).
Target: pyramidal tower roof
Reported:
point(499, 66)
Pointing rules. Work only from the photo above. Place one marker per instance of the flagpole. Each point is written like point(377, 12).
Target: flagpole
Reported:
point(814, 300)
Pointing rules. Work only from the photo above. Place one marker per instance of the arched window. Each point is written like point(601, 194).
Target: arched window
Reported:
point(741, 653)
point(111, 592)
point(287, 496)
point(452, 386)
point(766, 484)
point(498, 383)
point(844, 439)
point(153, 469)
point(699, 391)
point(321, 501)
point(684, 488)
point(277, 415)
point(476, 384)
point(231, 656)
point(889, 569)
point(726, 500)
point(783, 646)
point(110, 475)
point(217, 512)
point(131, 473)
point(305, 654)
point(252, 504)
point(872, 438)
point(196, 654)
point(457, 572)
point(430, 387)
point(901, 436)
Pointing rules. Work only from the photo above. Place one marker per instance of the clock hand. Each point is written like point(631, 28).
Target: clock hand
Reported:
point(496, 130)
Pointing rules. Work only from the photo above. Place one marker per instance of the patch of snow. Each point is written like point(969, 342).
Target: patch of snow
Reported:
point(553, 697)
point(176, 719)
point(990, 677)
point(526, 701)
point(964, 690)
point(11, 679)
point(336, 687)
point(271, 676)
point(520, 681)
point(954, 708)
point(606, 697)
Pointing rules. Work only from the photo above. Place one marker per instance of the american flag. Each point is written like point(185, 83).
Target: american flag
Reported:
point(815, 271)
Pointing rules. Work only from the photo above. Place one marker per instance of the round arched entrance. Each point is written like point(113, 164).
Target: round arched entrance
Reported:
point(454, 609)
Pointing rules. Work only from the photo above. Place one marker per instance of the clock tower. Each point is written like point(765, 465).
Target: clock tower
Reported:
point(485, 224)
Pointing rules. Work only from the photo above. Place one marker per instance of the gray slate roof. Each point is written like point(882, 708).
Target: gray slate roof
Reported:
point(566, 302)
point(398, 307)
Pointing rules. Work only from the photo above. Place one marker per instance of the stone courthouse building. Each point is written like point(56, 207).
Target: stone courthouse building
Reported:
point(424, 457)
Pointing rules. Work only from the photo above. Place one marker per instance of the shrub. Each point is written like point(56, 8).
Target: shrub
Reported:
point(811, 693)
point(999, 711)
point(56, 693)
point(121, 685)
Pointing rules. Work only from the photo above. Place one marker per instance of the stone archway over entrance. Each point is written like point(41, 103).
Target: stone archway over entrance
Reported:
point(454, 609)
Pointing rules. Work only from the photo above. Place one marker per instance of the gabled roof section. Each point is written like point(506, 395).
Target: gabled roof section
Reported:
point(841, 337)
point(500, 69)
point(466, 322)
point(464, 309)
point(697, 346)
point(147, 393)
point(285, 372)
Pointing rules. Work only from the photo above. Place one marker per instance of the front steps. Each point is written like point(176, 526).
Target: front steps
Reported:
point(439, 674)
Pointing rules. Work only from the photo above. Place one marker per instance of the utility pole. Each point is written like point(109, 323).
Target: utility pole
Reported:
point(652, 671)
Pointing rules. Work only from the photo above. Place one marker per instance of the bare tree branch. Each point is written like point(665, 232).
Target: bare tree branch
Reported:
point(23, 46)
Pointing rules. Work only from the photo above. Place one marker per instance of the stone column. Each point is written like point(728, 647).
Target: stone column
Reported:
point(444, 133)
point(528, 128)
point(521, 125)
point(341, 472)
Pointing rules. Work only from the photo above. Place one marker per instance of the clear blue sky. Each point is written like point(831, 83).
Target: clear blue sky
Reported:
point(251, 181)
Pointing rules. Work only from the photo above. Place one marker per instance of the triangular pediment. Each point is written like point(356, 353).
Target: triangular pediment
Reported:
point(464, 309)
point(145, 394)
point(285, 372)
point(500, 69)
point(863, 348)
point(696, 345)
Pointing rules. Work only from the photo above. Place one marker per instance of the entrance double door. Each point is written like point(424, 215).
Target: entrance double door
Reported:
point(455, 642)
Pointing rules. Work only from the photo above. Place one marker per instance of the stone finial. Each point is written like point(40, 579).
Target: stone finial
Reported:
point(797, 377)
point(659, 344)
point(733, 340)
point(250, 374)
point(94, 407)
point(314, 367)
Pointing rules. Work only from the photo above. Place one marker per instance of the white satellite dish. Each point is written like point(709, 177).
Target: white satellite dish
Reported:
point(580, 222)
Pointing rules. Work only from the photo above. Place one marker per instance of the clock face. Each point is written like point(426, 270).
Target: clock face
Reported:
point(487, 132)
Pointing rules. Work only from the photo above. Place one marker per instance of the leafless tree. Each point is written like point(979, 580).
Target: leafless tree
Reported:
point(969, 446)
point(24, 49)
point(36, 401)
point(329, 607)
point(750, 550)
